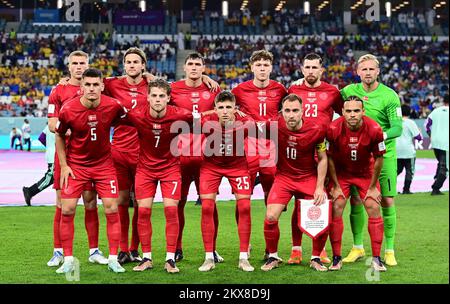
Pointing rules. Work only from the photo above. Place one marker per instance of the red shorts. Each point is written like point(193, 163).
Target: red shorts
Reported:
point(57, 176)
point(147, 181)
point(103, 177)
point(362, 185)
point(190, 172)
point(285, 187)
point(125, 164)
point(263, 162)
point(211, 176)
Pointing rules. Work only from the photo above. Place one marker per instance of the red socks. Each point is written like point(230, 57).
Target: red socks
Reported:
point(134, 229)
point(56, 229)
point(272, 235)
point(91, 224)
point(113, 231)
point(208, 225)
point(336, 230)
point(172, 227)
point(144, 226)
point(216, 225)
point(319, 244)
point(376, 232)
point(244, 224)
point(297, 234)
point(124, 225)
point(181, 205)
point(67, 233)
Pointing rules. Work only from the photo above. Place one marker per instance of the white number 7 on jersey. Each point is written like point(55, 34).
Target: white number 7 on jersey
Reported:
point(157, 140)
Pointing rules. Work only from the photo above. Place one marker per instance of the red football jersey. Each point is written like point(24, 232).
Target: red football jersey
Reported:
point(319, 103)
point(196, 100)
point(224, 147)
point(59, 96)
point(261, 104)
point(89, 141)
point(296, 149)
point(155, 137)
point(125, 137)
point(353, 151)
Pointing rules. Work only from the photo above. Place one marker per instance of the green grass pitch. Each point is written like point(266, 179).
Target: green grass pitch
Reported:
point(421, 248)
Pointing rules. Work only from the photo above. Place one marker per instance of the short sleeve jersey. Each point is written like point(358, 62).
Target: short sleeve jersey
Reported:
point(319, 103)
point(195, 99)
point(353, 152)
point(405, 143)
point(296, 149)
point(156, 138)
point(59, 95)
point(125, 137)
point(89, 143)
point(261, 104)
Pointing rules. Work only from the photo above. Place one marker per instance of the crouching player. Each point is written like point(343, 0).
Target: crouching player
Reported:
point(225, 157)
point(298, 174)
point(87, 159)
point(355, 141)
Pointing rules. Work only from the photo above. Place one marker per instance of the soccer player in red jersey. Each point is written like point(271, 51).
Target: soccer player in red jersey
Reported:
point(78, 63)
point(298, 174)
point(355, 158)
point(158, 163)
point(224, 156)
point(192, 94)
point(131, 90)
point(87, 159)
point(320, 100)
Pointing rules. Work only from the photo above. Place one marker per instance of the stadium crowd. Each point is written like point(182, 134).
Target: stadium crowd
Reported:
point(31, 66)
point(416, 69)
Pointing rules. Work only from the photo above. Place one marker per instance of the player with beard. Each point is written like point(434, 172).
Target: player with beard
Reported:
point(320, 100)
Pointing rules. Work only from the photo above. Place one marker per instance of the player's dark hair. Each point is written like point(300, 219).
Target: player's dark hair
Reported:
point(161, 84)
point(195, 56)
point(353, 97)
point(406, 110)
point(292, 97)
point(137, 51)
point(261, 55)
point(91, 72)
point(224, 96)
point(312, 56)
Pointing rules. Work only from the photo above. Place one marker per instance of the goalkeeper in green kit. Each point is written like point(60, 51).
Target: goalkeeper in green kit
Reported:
point(382, 104)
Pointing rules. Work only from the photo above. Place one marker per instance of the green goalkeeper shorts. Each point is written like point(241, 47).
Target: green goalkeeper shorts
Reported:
point(388, 179)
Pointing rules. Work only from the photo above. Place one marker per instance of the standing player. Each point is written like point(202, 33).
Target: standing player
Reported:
point(298, 174)
point(131, 90)
point(260, 99)
point(157, 163)
point(78, 63)
point(191, 94)
point(354, 142)
point(381, 104)
point(87, 159)
point(225, 157)
point(320, 100)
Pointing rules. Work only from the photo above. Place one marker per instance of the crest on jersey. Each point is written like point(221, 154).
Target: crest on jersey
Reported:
point(323, 96)
point(273, 94)
point(206, 95)
point(92, 117)
point(353, 139)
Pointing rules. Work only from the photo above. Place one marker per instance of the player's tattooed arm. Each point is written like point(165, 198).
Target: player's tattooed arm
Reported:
point(336, 191)
point(319, 193)
point(212, 85)
point(64, 81)
point(373, 192)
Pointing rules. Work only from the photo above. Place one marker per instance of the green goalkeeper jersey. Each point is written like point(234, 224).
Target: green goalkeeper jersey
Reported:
point(383, 106)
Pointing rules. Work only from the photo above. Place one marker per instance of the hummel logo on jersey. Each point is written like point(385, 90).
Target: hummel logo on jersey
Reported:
point(134, 94)
point(92, 117)
point(263, 99)
point(353, 139)
point(311, 99)
point(195, 100)
point(353, 146)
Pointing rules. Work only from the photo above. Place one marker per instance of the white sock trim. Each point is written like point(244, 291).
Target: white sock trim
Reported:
point(170, 256)
point(358, 246)
point(58, 249)
point(68, 258)
point(112, 258)
point(92, 250)
point(274, 255)
point(147, 255)
point(297, 248)
point(209, 255)
point(315, 257)
point(389, 250)
point(243, 255)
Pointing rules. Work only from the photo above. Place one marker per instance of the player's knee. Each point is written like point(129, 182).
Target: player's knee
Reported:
point(355, 200)
point(373, 209)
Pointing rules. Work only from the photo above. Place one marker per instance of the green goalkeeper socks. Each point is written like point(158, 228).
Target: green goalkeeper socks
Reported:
point(357, 221)
point(390, 226)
